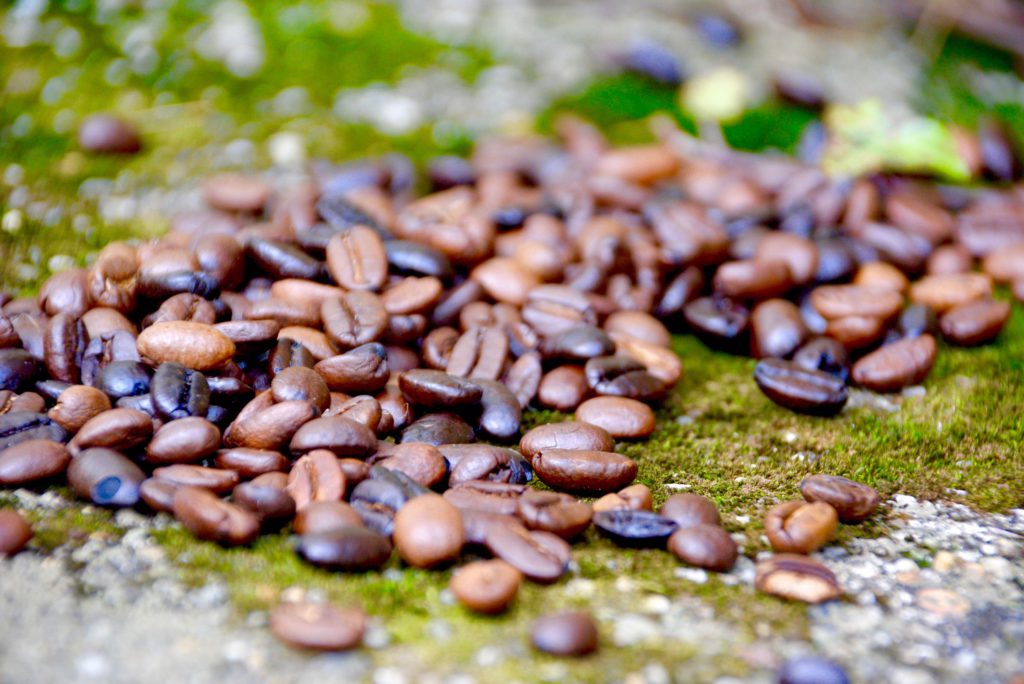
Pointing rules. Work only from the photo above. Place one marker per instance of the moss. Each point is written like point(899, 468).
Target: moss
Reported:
point(67, 523)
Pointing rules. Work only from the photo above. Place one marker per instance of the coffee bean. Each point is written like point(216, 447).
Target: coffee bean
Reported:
point(193, 345)
point(552, 512)
point(340, 435)
point(634, 528)
point(619, 416)
point(471, 462)
point(563, 388)
point(349, 549)
point(35, 459)
point(506, 280)
point(437, 429)
point(565, 634)
point(357, 260)
point(852, 501)
point(500, 414)
point(105, 477)
point(796, 577)
point(318, 626)
point(179, 392)
point(777, 329)
point(436, 389)
point(17, 367)
point(753, 279)
point(566, 435)
point(354, 319)
point(106, 134)
point(944, 292)
point(416, 259)
point(578, 344)
point(841, 301)
point(811, 670)
point(896, 365)
point(213, 519)
point(914, 321)
point(524, 377)
point(720, 323)
point(975, 323)
point(583, 471)
point(800, 527)
point(183, 441)
point(301, 384)
point(21, 426)
point(316, 476)
point(423, 463)
point(799, 389)
point(271, 505)
point(531, 553)
point(64, 345)
point(77, 405)
point(123, 379)
point(479, 353)
point(428, 531)
point(235, 192)
point(15, 532)
point(324, 516)
point(411, 296)
point(362, 370)
point(683, 289)
point(268, 426)
point(26, 401)
point(486, 586)
point(183, 307)
point(362, 409)
point(826, 355)
point(282, 260)
point(216, 480)
point(704, 546)
point(107, 349)
point(690, 510)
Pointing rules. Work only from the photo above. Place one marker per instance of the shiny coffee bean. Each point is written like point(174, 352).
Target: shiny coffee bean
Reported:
point(690, 510)
point(356, 259)
point(423, 463)
point(340, 435)
point(265, 425)
point(437, 389)
point(216, 480)
point(800, 527)
point(552, 512)
point(187, 440)
point(123, 379)
point(437, 429)
point(299, 383)
point(470, 462)
point(76, 405)
point(349, 549)
point(634, 528)
point(179, 392)
point(524, 377)
point(565, 634)
point(540, 556)
point(776, 329)
point(324, 516)
point(619, 416)
point(623, 376)
point(796, 577)
point(17, 367)
point(826, 355)
point(193, 345)
point(704, 546)
point(271, 505)
point(500, 414)
point(563, 388)
point(486, 586)
point(363, 370)
point(105, 477)
point(566, 435)
point(317, 476)
point(21, 426)
point(32, 460)
point(578, 344)
point(799, 389)
point(975, 323)
point(64, 345)
point(896, 365)
point(428, 531)
point(720, 323)
point(584, 471)
point(852, 501)
point(208, 517)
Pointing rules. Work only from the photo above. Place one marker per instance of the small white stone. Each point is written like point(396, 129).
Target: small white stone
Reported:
point(633, 629)
point(287, 149)
point(695, 575)
point(656, 604)
point(92, 666)
point(789, 437)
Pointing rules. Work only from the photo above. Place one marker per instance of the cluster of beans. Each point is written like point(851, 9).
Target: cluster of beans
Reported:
point(327, 356)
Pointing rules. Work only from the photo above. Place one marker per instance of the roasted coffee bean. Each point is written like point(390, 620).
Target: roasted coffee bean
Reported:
point(26, 401)
point(106, 134)
point(324, 516)
point(179, 392)
point(565, 634)
point(826, 355)
point(843, 301)
point(480, 353)
point(105, 477)
point(683, 289)
point(555, 309)
point(720, 323)
point(250, 463)
point(753, 279)
point(286, 312)
point(593, 472)
point(413, 258)
point(15, 533)
point(578, 344)
point(271, 505)
point(187, 440)
point(363, 409)
point(340, 435)
point(800, 527)
point(563, 388)
point(852, 501)
point(235, 192)
point(21, 426)
point(914, 321)
point(17, 367)
point(628, 527)
point(250, 337)
point(437, 389)
point(349, 549)
point(157, 286)
point(471, 462)
point(896, 365)
point(282, 260)
point(796, 577)
point(183, 307)
point(318, 626)
point(363, 370)
point(317, 476)
point(552, 512)
point(123, 379)
point(49, 390)
point(301, 384)
point(454, 301)
point(193, 345)
point(437, 429)
point(428, 531)
point(8, 335)
point(64, 345)
point(213, 519)
point(486, 586)
point(109, 348)
point(799, 389)
point(535, 554)
point(689, 510)
point(566, 435)
point(77, 405)
point(777, 329)
point(423, 463)
point(944, 292)
point(523, 378)
point(35, 459)
point(288, 353)
point(216, 480)
point(704, 546)
point(65, 292)
point(619, 416)
point(623, 376)
point(268, 425)
point(355, 319)
point(500, 414)
point(490, 497)
point(975, 323)
point(118, 428)
point(357, 260)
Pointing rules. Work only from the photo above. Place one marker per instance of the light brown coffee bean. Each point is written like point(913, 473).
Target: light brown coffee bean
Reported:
point(318, 626)
point(800, 527)
point(186, 440)
point(213, 519)
point(217, 480)
point(796, 577)
point(975, 323)
point(32, 460)
point(15, 532)
point(896, 365)
point(945, 292)
point(688, 510)
point(619, 416)
point(853, 501)
point(357, 260)
point(193, 345)
point(704, 546)
point(566, 435)
point(487, 586)
point(593, 472)
point(428, 531)
point(118, 428)
point(317, 476)
point(324, 516)
point(563, 388)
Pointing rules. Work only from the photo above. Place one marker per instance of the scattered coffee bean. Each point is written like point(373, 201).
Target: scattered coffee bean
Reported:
point(105, 477)
point(800, 389)
point(486, 586)
point(704, 546)
point(629, 527)
point(565, 634)
point(852, 501)
point(428, 531)
point(211, 518)
point(619, 416)
point(318, 626)
point(796, 577)
point(349, 549)
point(800, 527)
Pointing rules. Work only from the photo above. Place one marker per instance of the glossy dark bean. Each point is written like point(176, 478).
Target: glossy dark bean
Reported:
point(340, 435)
point(17, 367)
point(437, 429)
point(634, 528)
point(32, 460)
point(349, 549)
point(324, 516)
point(64, 345)
point(187, 440)
point(289, 353)
point(578, 344)
point(299, 383)
point(524, 377)
point(826, 355)
point(271, 505)
point(123, 379)
point(470, 462)
point(620, 417)
point(796, 577)
point(21, 426)
point(179, 392)
point(318, 626)
point(974, 323)
point(584, 471)
point(211, 518)
point(118, 428)
point(852, 501)
point(217, 480)
point(250, 463)
point(15, 532)
point(267, 425)
point(422, 463)
point(108, 348)
point(566, 435)
point(777, 329)
point(500, 414)
point(565, 634)
point(363, 370)
point(437, 389)
point(412, 258)
point(531, 553)
point(623, 376)
point(799, 389)
point(283, 260)
point(704, 546)
point(720, 323)
point(105, 477)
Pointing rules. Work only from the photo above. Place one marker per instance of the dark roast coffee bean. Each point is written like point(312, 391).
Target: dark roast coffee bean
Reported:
point(271, 505)
point(17, 367)
point(975, 323)
point(103, 350)
point(77, 405)
point(593, 472)
point(799, 389)
point(422, 463)
point(213, 519)
point(535, 554)
point(552, 512)
point(566, 435)
point(689, 510)
point(318, 626)
point(118, 428)
point(853, 501)
point(437, 429)
point(811, 670)
point(324, 516)
point(106, 134)
point(250, 463)
point(720, 323)
point(340, 435)
point(470, 462)
point(896, 365)
point(51, 389)
point(452, 302)
point(486, 586)
point(158, 494)
point(349, 549)
point(412, 258)
point(437, 389)
point(683, 289)
point(268, 425)
point(704, 546)
point(26, 401)
point(565, 634)
point(826, 355)
point(123, 379)
point(623, 376)
point(620, 417)
point(914, 321)
point(288, 353)
point(216, 480)
point(283, 260)
point(157, 286)
point(179, 392)
point(64, 345)
point(500, 415)
point(578, 344)
point(105, 477)
point(20, 426)
point(299, 383)
point(363, 370)
point(800, 527)
point(35, 459)
point(796, 577)
point(634, 528)
point(187, 440)
point(15, 532)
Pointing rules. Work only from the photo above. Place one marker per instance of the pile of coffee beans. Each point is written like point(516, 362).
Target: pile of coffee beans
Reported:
point(350, 361)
